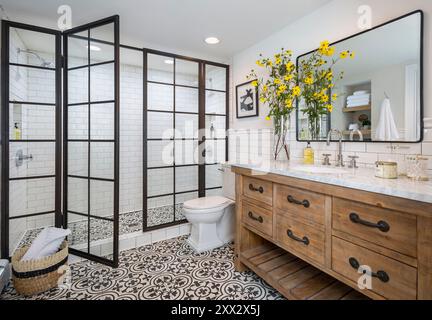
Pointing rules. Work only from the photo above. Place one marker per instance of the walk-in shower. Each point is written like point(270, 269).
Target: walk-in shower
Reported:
point(112, 138)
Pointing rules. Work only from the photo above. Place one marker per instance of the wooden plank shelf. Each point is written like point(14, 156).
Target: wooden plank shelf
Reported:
point(356, 109)
point(364, 132)
point(295, 278)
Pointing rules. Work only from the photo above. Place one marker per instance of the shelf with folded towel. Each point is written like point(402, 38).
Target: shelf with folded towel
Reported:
point(355, 109)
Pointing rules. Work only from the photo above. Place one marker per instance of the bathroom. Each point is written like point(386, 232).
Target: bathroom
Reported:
point(150, 124)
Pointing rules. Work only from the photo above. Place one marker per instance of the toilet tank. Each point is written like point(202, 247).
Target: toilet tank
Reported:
point(228, 182)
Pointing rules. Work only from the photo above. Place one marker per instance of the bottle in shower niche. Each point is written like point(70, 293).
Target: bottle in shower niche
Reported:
point(17, 132)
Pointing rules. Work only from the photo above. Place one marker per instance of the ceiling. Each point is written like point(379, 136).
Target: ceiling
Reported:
point(176, 25)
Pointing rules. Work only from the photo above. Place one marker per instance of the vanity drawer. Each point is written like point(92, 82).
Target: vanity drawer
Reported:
point(258, 190)
point(298, 237)
point(391, 279)
point(389, 229)
point(308, 206)
point(258, 218)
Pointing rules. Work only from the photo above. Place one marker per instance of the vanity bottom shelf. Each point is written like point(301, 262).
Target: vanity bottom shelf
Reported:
point(294, 278)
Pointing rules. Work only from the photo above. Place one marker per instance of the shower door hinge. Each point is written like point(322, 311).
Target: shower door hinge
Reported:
point(62, 62)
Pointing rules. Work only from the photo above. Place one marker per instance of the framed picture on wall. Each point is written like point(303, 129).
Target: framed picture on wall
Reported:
point(247, 100)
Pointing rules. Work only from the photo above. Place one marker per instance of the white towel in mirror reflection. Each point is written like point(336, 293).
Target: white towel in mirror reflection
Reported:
point(386, 129)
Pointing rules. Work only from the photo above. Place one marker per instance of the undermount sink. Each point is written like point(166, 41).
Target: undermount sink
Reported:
point(320, 170)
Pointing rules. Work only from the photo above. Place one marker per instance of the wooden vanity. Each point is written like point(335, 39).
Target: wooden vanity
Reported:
point(308, 239)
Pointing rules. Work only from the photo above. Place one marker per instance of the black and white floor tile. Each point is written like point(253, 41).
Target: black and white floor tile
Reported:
point(168, 270)
point(130, 222)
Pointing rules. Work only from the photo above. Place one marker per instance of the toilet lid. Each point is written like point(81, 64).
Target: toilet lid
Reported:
point(206, 203)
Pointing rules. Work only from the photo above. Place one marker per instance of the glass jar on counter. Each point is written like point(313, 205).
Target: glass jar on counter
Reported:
point(417, 168)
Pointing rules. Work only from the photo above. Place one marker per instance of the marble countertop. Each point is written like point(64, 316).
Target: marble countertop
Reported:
point(360, 179)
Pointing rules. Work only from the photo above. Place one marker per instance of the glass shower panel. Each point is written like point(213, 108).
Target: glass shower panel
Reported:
point(160, 154)
point(77, 196)
point(215, 102)
point(186, 152)
point(101, 199)
point(102, 160)
point(35, 122)
point(102, 83)
point(160, 97)
point(160, 125)
point(78, 159)
point(215, 78)
point(80, 230)
point(160, 211)
point(214, 178)
point(186, 73)
point(186, 100)
point(160, 68)
point(186, 179)
point(32, 48)
point(186, 126)
point(160, 182)
point(215, 127)
point(41, 163)
point(78, 50)
point(78, 86)
point(78, 122)
point(102, 121)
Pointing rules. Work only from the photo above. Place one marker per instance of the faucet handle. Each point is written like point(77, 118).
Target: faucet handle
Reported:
point(326, 160)
point(353, 162)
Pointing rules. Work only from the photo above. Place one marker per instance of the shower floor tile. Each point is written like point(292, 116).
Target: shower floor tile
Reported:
point(168, 270)
point(130, 222)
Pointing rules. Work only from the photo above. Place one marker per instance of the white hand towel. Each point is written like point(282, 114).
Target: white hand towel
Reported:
point(356, 98)
point(47, 243)
point(359, 93)
point(386, 129)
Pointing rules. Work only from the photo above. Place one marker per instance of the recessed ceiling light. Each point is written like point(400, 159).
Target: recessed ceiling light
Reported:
point(94, 48)
point(212, 40)
point(169, 61)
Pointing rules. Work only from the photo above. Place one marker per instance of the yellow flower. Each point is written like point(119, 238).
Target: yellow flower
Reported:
point(255, 83)
point(282, 88)
point(278, 61)
point(324, 45)
point(263, 100)
point(296, 91)
point(289, 103)
point(289, 52)
point(324, 98)
point(309, 80)
point(330, 51)
point(335, 96)
point(352, 55)
point(329, 76)
point(329, 107)
point(277, 81)
point(289, 65)
point(344, 54)
point(265, 88)
point(268, 118)
point(288, 77)
point(259, 63)
point(269, 63)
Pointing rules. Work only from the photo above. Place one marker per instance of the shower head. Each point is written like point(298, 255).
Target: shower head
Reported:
point(43, 62)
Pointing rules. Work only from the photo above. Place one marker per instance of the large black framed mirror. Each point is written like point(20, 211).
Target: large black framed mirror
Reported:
point(380, 98)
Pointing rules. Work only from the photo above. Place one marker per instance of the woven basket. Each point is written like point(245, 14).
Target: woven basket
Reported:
point(37, 276)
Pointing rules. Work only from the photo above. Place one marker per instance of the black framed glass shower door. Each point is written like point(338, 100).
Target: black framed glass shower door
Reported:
point(31, 133)
point(91, 139)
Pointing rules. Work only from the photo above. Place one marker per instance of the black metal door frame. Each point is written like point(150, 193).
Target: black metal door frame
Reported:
point(5, 102)
point(116, 192)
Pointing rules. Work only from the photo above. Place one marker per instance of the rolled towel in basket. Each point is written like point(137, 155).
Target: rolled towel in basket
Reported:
point(47, 243)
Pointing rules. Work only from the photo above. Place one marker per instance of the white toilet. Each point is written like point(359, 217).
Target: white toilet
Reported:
point(212, 218)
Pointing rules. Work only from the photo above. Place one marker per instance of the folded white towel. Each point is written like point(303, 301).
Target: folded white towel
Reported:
point(47, 243)
point(386, 129)
point(358, 104)
point(355, 98)
point(359, 93)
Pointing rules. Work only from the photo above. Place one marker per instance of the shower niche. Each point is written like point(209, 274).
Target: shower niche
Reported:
point(103, 138)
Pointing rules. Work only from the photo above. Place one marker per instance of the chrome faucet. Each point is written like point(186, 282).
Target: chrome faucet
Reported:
point(339, 161)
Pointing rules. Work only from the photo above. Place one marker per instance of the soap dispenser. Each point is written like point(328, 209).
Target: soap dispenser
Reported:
point(308, 154)
point(17, 132)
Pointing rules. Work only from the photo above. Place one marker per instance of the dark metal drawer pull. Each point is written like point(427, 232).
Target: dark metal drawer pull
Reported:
point(304, 203)
point(305, 240)
point(252, 188)
point(381, 275)
point(259, 219)
point(381, 225)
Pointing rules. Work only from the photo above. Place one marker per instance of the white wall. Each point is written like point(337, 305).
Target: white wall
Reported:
point(335, 21)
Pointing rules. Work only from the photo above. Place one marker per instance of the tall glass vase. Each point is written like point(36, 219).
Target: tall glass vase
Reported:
point(281, 131)
point(315, 128)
